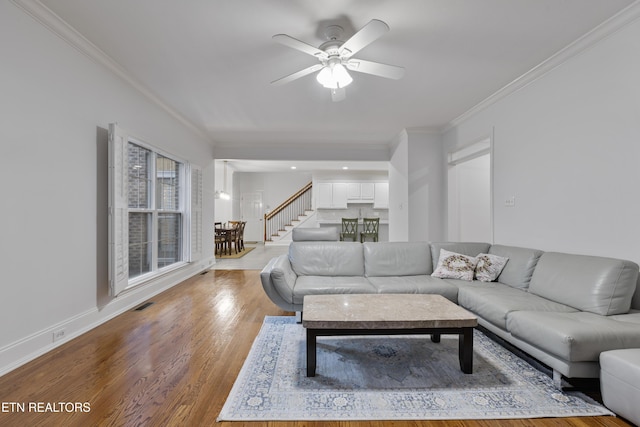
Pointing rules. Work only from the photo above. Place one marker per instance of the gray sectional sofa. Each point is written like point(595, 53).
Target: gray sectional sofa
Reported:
point(562, 309)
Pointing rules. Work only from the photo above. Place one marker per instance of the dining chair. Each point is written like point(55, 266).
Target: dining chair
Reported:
point(233, 233)
point(220, 238)
point(370, 228)
point(349, 229)
point(241, 235)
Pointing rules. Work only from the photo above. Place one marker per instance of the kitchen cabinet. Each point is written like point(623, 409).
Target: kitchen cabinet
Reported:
point(360, 192)
point(381, 195)
point(331, 195)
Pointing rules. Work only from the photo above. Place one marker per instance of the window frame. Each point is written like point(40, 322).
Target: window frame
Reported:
point(190, 209)
point(155, 211)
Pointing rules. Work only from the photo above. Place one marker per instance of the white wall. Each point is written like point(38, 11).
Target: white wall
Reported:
point(416, 187)
point(399, 189)
point(567, 147)
point(426, 186)
point(55, 107)
point(472, 200)
point(276, 187)
point(223, 208)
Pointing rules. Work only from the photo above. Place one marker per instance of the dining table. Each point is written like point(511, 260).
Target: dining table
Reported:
point(225, 237)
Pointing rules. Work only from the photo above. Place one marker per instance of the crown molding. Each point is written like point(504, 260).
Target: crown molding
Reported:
point(427, 130)
point(66, 32)
point(609, 27)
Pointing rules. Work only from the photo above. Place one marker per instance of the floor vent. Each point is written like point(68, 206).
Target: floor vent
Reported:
point(143, 306)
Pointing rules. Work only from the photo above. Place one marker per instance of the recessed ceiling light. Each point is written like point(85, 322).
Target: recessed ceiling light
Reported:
point(345, 168)
point(293, 167)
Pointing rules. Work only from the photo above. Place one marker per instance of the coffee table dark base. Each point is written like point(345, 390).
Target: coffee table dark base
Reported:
point(465, 342)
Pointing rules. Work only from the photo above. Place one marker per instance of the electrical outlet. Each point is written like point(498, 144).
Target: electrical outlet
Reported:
point(59, 334)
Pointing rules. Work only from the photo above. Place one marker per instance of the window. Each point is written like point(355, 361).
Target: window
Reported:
point(155, 211)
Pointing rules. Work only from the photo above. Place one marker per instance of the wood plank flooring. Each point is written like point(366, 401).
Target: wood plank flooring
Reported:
point(172, 364)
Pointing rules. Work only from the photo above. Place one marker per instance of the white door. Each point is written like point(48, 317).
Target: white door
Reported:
point(251, 210)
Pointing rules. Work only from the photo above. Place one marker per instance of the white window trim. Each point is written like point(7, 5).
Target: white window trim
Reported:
point(191, 209)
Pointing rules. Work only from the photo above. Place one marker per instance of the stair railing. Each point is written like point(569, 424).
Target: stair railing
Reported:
point(287, 211)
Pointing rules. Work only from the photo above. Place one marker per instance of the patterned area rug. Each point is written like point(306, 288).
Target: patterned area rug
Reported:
point(390, 378)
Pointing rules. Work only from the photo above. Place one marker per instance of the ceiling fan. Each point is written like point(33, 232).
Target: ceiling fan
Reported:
point(336, 57)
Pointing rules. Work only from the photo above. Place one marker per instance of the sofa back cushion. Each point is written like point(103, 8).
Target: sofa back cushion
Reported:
point(519, 269)
point(397, 259)
point(464, 248)
point(301, 234)
point(327, 258)
point(635, 302)
point(598, 285)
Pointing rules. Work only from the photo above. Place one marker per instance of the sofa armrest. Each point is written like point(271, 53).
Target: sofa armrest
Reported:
point(278, 279)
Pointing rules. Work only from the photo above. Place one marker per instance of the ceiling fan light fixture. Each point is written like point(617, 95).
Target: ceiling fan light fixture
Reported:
point(334, 76)
point(336, 57)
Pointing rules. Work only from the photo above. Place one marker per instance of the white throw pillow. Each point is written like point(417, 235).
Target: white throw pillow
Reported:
point(452, 265)
point(489, 267)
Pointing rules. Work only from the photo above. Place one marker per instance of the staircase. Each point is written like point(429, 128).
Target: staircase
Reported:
point(290, 214)
point(283, 237)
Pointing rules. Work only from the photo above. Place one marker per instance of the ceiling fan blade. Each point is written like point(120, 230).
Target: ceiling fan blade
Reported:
point(297, 75)
point(339, 94)
point(375, 68)
point(367, 34)
point(299, 45)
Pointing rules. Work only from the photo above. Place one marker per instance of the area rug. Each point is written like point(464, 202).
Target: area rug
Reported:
point(390, 378)
point(234, 255)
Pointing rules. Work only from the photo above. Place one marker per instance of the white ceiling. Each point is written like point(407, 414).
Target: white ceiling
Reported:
point(307, 166)
point(212, 61)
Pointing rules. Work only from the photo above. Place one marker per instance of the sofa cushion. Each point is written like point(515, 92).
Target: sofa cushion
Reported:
point(301, 234)
point(397, 258)
point(635, 301)
point(489, 267)
point(423, 284)
point(282, 276)
point(494, 301)
point(595, 284)
point(465, 248)
point(575, 337)
point(326, 285)
point(620, 382)
point(522, 261)
point(452, 265)
point(327, 258)
point(633, 316)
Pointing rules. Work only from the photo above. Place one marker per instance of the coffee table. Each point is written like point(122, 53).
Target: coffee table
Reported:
point(387, 314)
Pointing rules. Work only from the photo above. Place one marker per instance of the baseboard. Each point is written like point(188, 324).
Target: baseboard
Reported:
point(20, 352)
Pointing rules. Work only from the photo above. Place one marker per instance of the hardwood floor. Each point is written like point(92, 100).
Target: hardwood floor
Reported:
point(171, 364)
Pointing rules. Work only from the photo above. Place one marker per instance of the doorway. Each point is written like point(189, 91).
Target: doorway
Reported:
point(470, 215)
point(251, 211)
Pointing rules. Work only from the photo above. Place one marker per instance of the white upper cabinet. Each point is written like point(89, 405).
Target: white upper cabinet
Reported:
point(331, 195)
point(381, 199)
point(367, 190)
point(324, 194)
point(360, 192)
point(336, 195)
point(339, 196)
point(353, 191)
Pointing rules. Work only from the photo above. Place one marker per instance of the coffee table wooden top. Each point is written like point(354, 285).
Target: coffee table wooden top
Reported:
point(383, 311)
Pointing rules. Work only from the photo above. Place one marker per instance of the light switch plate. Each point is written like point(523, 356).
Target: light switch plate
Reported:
point(510, 202)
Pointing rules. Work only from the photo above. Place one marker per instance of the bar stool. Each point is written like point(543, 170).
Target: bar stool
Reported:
point(349, 229)
point(370, 229)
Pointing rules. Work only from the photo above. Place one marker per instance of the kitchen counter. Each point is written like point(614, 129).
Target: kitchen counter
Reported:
point(383, 231)
point(339, 221)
